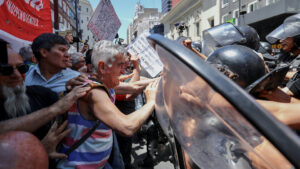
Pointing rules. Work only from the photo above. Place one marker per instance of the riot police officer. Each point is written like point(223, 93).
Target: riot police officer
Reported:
point(288, 35)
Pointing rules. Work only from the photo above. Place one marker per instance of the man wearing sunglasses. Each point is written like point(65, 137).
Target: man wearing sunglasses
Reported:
point(30, 108)
point(52, 70)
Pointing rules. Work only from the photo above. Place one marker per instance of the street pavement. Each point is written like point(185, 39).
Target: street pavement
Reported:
point(139, 153)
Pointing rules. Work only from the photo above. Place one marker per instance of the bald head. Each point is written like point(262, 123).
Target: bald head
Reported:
point(22, 150)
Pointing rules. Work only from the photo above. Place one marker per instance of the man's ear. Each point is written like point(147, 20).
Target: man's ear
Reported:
point(101, 66)
point(43, 52)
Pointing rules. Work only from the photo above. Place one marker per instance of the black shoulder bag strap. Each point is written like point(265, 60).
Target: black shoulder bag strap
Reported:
point(81, 140)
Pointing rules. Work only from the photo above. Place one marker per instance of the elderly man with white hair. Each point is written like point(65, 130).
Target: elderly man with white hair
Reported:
point(98, 107)
point(78, 62)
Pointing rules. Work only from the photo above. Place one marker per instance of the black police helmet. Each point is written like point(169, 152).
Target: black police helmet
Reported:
point(265, 47)
point(239, 63)
point(252, 37)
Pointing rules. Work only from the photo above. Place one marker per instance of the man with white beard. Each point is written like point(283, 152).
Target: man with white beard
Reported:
point(30, 108)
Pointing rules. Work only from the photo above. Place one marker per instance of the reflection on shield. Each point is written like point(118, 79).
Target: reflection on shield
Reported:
point(221, 35)
point(216, 122)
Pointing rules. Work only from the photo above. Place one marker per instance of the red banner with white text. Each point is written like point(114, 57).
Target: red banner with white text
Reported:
point(24, 20)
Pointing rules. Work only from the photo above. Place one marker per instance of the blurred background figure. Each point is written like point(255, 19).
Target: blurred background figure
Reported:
point(27, 55)
point(88, 61)
point(78, 62)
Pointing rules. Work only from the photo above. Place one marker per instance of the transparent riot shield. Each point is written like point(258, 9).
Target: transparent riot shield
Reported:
point(221, 35)
point(217, 124)
point(289, 28)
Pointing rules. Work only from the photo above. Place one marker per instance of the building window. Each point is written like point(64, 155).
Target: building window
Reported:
point(79, 8)
point(252, 6)
point(81, 21)
point(87, 9)
point(211, 22)
point(225, 3)
point(235, 14)
point(87, 18)
point(225, 18)
point(65, 7)
point(60, 19)
point(268, 2)
point(198, 29)
point(187, 31)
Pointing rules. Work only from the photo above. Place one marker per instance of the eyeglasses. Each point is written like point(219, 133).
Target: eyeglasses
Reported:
point(7, 70)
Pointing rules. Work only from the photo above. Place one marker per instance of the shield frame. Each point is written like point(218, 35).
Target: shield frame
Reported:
point(283, 138)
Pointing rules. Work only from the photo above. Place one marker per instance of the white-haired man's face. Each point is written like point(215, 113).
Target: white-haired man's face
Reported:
point(110, 74)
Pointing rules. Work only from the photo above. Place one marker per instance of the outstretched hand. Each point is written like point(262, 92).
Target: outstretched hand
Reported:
point(135, 61)
point(77, 81)
point(150, 91)
point(53, 137)
point(68, 100)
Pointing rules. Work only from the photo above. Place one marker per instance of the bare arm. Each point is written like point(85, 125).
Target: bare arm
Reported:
point(124, 77)
point(109, 114)
point(35, 120)
point(132, 88)
point(287, 113)
point(136, 70)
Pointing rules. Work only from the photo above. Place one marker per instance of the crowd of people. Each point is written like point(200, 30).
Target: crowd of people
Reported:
point(51, 91)
point(66, 99)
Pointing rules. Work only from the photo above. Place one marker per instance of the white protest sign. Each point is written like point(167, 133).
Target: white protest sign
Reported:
point(149, 59)
point(104, 22)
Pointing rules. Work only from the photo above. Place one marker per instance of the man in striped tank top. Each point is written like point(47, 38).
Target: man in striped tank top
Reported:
point(108, 64)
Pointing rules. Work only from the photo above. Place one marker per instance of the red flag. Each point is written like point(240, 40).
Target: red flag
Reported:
point(23, 20)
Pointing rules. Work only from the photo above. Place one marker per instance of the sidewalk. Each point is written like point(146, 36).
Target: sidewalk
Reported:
point(139, 153)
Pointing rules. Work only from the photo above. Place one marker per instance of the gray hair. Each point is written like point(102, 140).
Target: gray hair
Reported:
point(75, 57)
point(16, 101)
point(26, 53)
point(105, 51)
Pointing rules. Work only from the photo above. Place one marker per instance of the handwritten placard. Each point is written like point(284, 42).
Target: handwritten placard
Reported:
point(104, 23)
point(148, 56)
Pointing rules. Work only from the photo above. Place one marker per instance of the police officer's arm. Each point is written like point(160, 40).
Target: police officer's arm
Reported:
point(287, 113)
point(109, 114)
point(35, 120)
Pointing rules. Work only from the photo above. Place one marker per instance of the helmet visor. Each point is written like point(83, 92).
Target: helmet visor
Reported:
point(289, 28)
point(221, 35)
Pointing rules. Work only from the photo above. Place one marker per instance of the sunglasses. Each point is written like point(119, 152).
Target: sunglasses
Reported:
point(7, 70)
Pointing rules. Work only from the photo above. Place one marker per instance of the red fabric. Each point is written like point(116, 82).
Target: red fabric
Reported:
point(25, 19)
point(120, 97)
point(175, 2)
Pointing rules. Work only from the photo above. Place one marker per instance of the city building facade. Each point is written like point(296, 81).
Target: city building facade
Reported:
point(85, 12)
point(167, 5)
point(66, 15)
point(195, 15)
point(144, 19)
point(263, 15)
